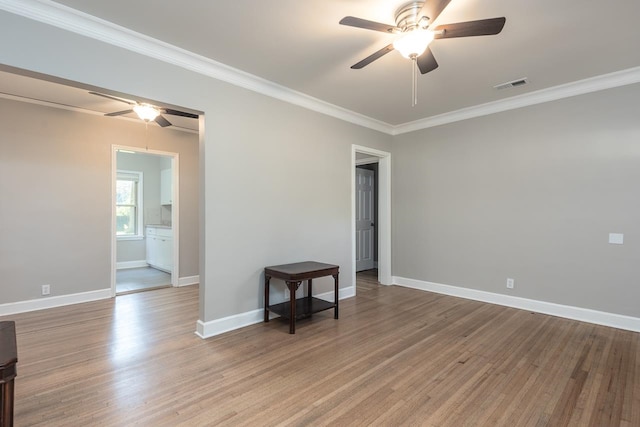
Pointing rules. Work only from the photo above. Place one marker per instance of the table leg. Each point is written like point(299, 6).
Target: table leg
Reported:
point(309, 294)
point(6, 415)
point(293, 286)
point(335, 290)
point(266, 298)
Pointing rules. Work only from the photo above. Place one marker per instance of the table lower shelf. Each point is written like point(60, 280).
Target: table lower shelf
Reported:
point(305, 307)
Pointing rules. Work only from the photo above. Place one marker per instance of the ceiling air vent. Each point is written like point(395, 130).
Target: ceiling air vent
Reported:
point(513, 83)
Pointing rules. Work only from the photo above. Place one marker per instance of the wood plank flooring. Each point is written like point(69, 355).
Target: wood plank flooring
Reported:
point(395, 357)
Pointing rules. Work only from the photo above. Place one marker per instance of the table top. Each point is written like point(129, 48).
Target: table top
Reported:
point(8, 350)
point(301, 270)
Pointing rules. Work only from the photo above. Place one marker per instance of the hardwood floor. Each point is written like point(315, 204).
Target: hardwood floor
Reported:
point(395, 357)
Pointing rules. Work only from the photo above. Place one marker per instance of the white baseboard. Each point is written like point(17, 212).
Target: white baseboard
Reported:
point(51, 302)
point(327, 296)
point(220, 326)
point(570, 312)
point(189, 280)
point(343, 293)
point(131, 264)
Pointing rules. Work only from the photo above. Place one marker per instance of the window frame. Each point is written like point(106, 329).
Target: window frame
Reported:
point(138, 177)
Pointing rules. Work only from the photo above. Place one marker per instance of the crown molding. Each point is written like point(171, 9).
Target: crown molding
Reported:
point(580, 87)
point(66, 18)
point(83, 110)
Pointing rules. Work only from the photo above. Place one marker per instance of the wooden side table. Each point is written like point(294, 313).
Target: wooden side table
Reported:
point(293, 275)
point(8, 361)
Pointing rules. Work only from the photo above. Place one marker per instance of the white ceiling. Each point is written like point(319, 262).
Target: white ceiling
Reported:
point(300, 45)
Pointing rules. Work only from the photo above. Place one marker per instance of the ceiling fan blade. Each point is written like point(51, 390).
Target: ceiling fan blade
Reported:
point(119, 113)
point(179, 113)
point(433, 8)
point(126, 101)
point(352, 21)
point(483, 27)
point(369, 59)
point(427, 62)
point(162, 121)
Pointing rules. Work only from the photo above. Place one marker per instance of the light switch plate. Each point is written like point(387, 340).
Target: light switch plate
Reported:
point(616, 238)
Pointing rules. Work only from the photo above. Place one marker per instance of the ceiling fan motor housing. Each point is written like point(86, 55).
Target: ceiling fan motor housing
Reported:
point(408, 15)
point(413, 27)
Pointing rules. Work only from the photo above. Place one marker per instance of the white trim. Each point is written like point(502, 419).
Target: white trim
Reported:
point(384, 211)
point(367, 161)
point(226, 324)
point(129, 238)
point(83, 110)
point(343, 293)
point(175, 218)
point(114, 241)
point(189, 280)
point(569, 312)
point(78, 22)
point(580, 87)
point(124, 265)
point(52, 302)
point(220, 326)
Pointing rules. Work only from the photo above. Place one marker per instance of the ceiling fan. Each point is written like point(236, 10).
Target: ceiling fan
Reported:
point(146, 112)
point(414, 33)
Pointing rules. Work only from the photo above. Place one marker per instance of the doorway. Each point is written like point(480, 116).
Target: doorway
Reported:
point(366, 214)
point(145, 223)
point(361, 155)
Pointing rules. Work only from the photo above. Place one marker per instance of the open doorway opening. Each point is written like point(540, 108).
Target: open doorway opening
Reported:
point(145, 223)
point(371, 212)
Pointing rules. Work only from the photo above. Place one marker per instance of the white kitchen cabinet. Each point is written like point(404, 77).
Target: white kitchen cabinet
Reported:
point(166, 187)
point(160, 248)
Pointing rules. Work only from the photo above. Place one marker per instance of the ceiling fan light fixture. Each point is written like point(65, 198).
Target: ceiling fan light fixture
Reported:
point(146, 112)
point(413, 43)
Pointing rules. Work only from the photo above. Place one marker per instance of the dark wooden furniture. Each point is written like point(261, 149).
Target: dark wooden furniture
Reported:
point(8, 361)
point(293, 275)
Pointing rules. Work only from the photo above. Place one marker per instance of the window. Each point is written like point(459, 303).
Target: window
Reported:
point(129, 205)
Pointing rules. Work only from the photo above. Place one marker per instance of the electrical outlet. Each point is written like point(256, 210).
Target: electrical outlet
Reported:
point(46, 289)
point(510, 283)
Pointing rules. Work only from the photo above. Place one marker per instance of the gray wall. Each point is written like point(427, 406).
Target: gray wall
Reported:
point(277, 191)
point(264, 201)
point(55, 204)
point(529, 194)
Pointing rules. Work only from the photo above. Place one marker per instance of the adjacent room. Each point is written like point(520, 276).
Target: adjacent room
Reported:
point(320, 213)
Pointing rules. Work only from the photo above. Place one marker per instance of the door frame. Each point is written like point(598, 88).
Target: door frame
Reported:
point(384, 211)
point(175, 209)
point(372, 222)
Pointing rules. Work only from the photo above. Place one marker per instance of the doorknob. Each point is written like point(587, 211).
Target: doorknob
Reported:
point(372, 224)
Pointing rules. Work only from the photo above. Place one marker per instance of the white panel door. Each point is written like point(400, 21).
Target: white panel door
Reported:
point(365, 222)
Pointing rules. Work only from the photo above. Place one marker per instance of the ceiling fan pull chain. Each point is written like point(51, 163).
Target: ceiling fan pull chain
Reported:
point(414, 93)
point(146, 135)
